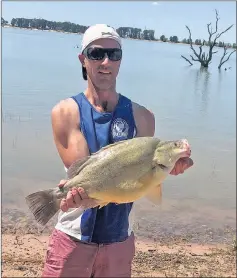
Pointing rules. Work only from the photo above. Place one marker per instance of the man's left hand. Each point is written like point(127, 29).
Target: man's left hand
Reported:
point(181, 165)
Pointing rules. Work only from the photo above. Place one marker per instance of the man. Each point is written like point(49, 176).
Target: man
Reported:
point(84, 241)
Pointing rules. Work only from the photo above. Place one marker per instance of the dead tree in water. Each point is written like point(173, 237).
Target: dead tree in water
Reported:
point(224, 54)
point(205, 58)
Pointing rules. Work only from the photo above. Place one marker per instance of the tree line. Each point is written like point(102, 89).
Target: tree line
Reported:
point(66, 26)
point(124, 32)
point(197, 42)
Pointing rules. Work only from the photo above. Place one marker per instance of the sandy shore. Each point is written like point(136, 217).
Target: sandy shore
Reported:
point(24, 248)
point(23, 256)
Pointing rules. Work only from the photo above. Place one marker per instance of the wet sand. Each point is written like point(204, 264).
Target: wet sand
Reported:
point(24, 248)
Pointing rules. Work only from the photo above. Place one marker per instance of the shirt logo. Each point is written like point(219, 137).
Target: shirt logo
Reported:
point(119, 129)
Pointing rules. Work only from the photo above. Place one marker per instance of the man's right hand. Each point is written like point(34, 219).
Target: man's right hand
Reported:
point(76, 197)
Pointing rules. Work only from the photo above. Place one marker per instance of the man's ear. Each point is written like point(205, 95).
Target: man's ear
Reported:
point(81, 57)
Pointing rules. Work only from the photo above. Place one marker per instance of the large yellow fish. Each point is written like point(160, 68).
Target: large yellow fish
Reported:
point(118, 173)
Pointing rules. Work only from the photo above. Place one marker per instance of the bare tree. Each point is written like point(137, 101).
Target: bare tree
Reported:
point(205, 58)
point(187, 60)
point(222, 61)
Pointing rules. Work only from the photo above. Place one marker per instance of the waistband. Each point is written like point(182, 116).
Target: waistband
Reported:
point(98, 244)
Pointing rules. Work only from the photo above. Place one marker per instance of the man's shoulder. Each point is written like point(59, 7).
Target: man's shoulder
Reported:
point(65, 106)
point(65, 109)
point(144, 118)
point(141, 111)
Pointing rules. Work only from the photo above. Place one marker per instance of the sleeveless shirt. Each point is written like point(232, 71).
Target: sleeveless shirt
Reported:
point(112, 223)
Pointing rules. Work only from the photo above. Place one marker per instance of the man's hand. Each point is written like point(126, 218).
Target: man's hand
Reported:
point(76, 198)
point(181, 165)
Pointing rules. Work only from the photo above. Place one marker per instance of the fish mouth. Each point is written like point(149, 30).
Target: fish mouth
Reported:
point(185, 153)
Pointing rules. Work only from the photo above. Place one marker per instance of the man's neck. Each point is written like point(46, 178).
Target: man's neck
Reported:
point(102, 100)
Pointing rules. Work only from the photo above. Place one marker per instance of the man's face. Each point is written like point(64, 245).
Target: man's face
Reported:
point(102, 72)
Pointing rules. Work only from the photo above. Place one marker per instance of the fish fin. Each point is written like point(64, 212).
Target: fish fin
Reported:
point(79, 164)
point(110, 146)
point(154, 195)
point(76, 167)
point(43, 205)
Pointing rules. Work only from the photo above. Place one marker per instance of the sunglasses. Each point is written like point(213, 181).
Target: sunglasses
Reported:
point(97, 53)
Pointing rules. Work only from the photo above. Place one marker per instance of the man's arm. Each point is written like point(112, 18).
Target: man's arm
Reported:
point(145, 121)
point(69, 141)
point(71, 146)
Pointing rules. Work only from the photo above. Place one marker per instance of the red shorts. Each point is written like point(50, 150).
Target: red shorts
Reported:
point(70, 258)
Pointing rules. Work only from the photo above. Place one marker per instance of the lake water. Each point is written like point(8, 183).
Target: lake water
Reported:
point(40, 68)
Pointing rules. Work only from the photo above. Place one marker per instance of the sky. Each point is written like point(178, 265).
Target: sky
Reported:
point(165, 17)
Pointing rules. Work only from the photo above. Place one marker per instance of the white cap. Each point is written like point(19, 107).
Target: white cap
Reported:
point(99, 31)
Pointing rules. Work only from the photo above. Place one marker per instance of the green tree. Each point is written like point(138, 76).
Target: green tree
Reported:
point(184, 40)
point(174, 39)
point(198, 42)
point(13, 22)
point(221, 44)
point(3, 21)
point(149, 35)
point(163, 38)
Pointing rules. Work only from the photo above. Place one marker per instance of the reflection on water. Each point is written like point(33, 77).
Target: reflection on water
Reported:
point(202, 81)
point(220, 78)
point(205, 89)
point(199, 104)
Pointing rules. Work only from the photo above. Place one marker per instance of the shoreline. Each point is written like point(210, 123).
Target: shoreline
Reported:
point(20, 221)
point(81, 34)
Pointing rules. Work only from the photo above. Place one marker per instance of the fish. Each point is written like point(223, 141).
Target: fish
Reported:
point(121, 172)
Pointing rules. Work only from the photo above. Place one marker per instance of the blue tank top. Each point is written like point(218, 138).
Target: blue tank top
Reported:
point(110, 223)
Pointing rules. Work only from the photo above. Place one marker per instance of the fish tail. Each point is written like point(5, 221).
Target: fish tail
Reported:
point(43, 204)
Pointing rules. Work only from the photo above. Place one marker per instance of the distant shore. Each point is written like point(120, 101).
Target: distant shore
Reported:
point(64, 32)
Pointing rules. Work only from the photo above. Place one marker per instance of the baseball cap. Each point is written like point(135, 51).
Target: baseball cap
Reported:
point(99, 31)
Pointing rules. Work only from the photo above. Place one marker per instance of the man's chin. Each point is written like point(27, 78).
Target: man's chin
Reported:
point(104, 85)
